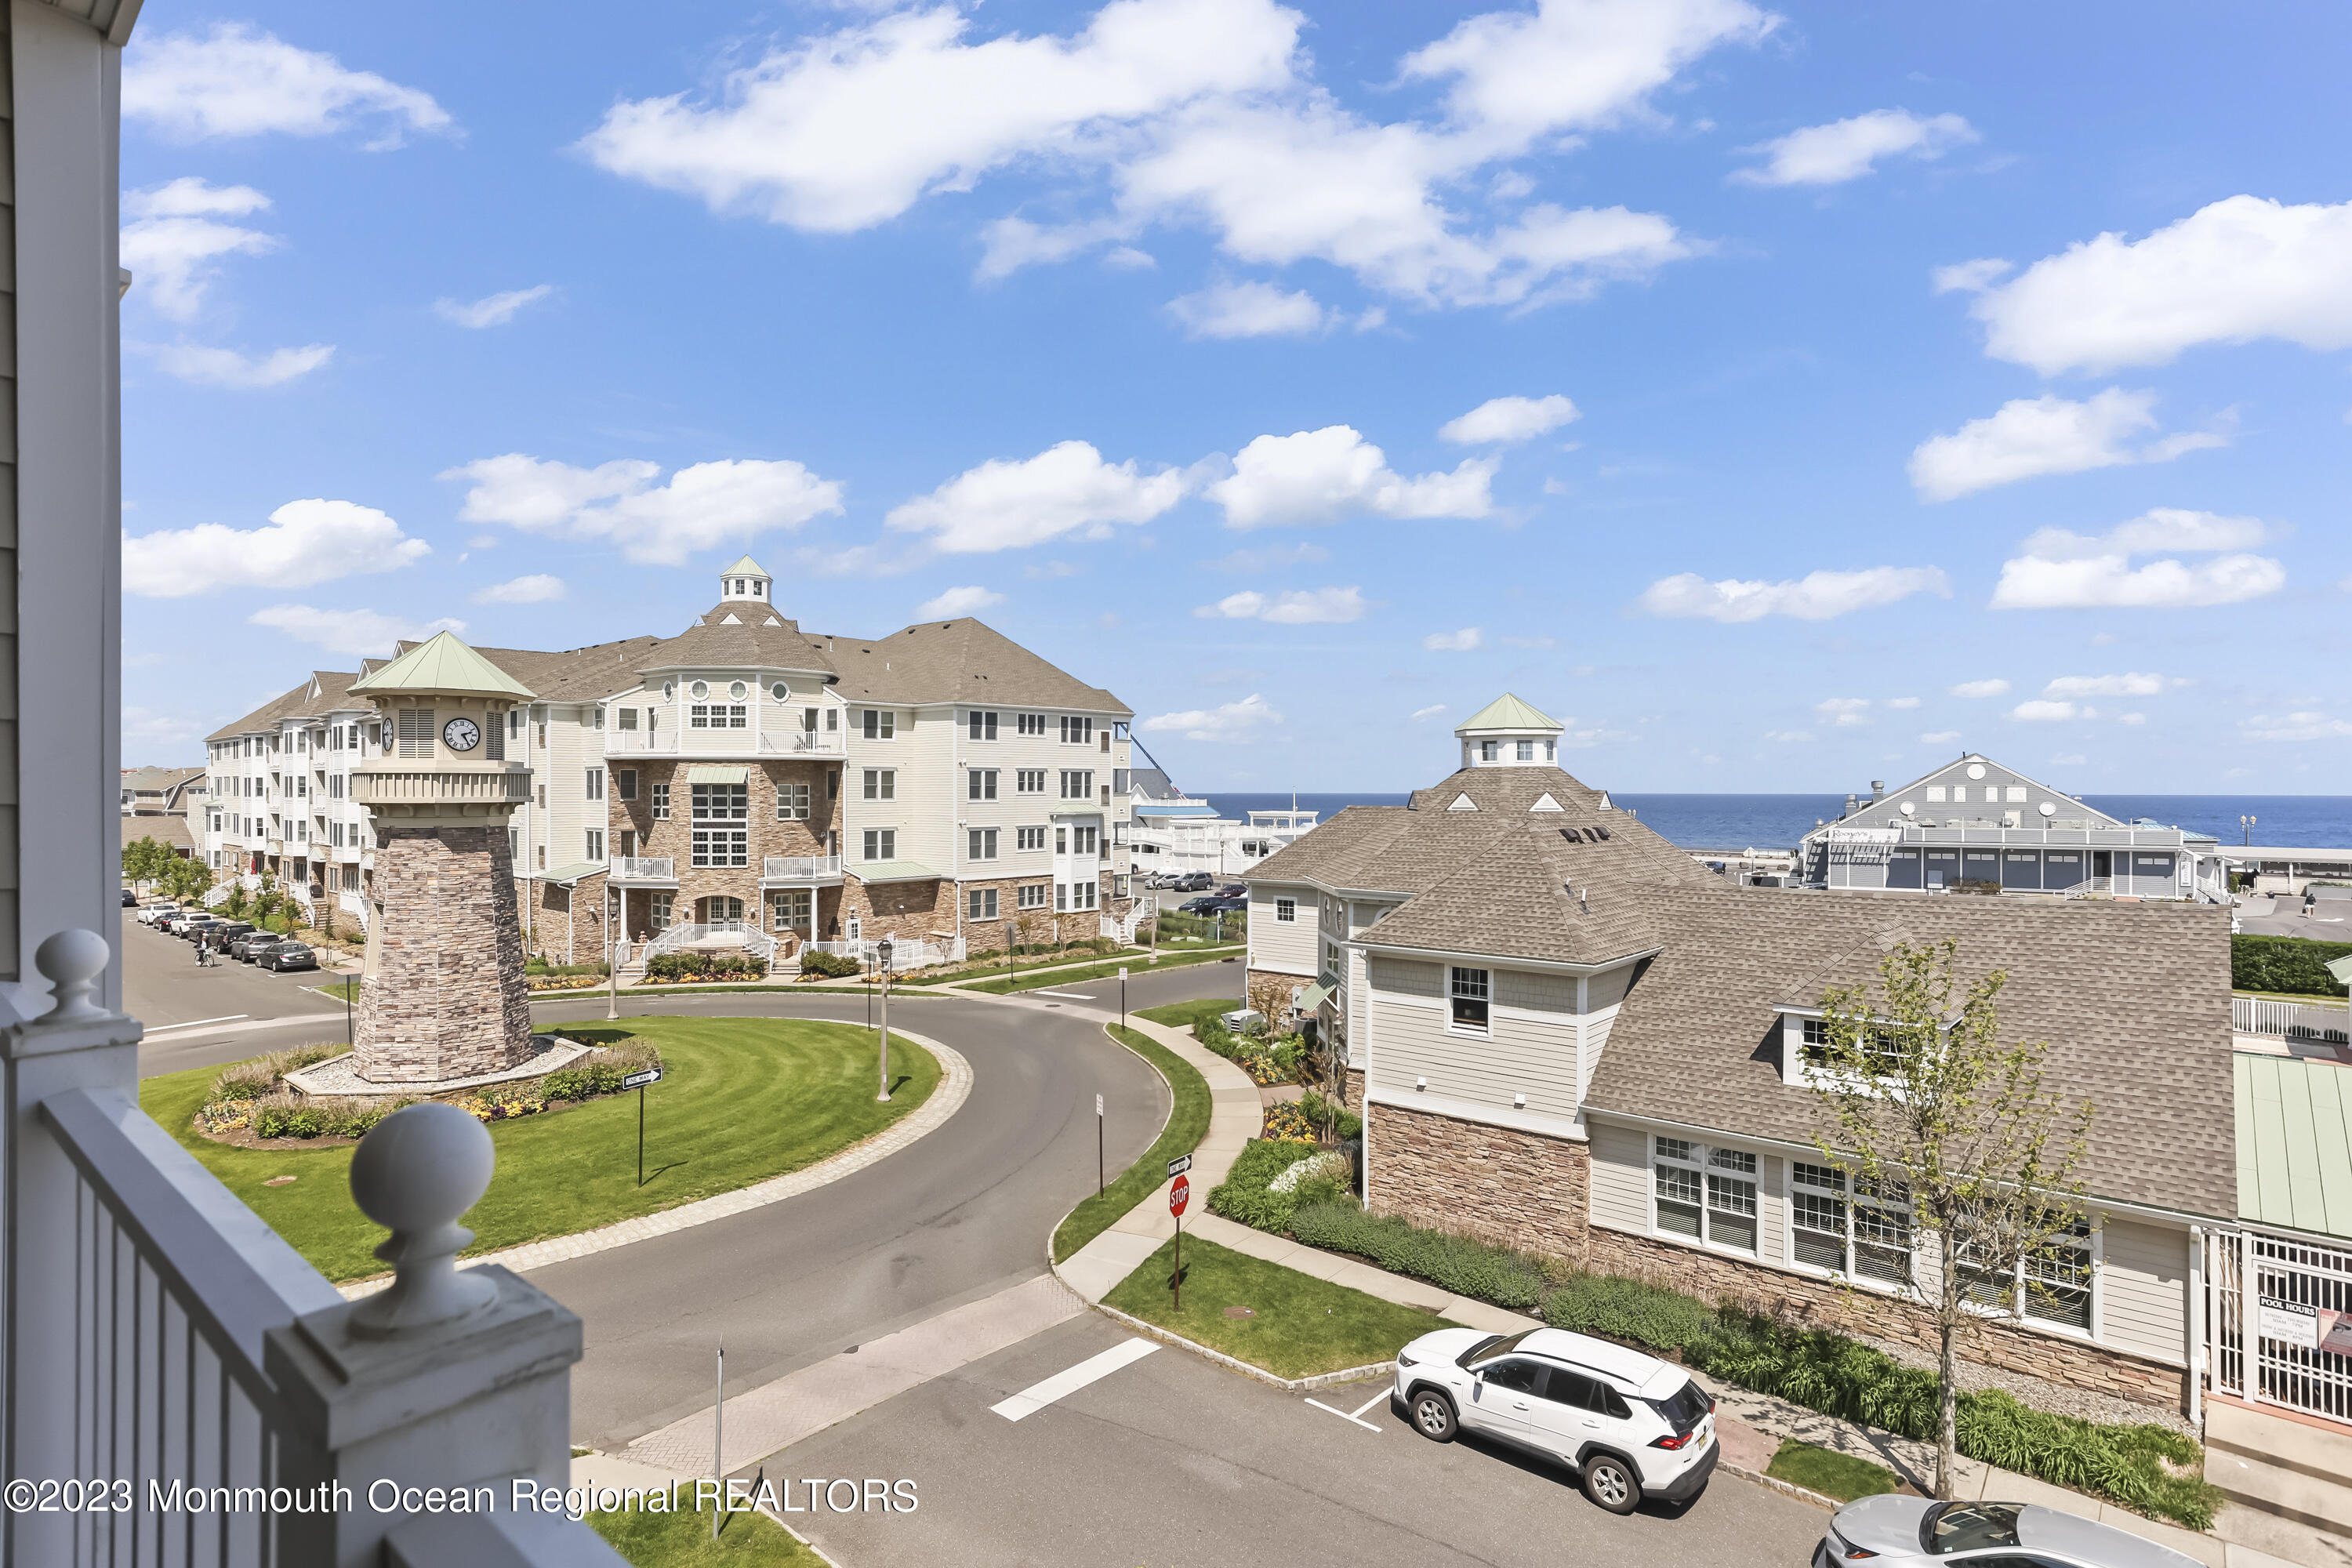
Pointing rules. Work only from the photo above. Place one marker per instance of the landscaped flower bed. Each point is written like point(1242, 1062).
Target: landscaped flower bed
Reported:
point(1266, 1060)
point(689, 968)
point(253, 1098)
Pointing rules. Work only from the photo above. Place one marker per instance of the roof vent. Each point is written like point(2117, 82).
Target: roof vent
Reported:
point(1544, 801)
point(1463, 802)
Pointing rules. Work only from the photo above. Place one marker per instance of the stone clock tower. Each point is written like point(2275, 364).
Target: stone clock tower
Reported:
point(442, 994)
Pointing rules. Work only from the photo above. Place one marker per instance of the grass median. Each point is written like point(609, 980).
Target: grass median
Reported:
point(1296, 1325)
point(1184, 1014)
point(741, 1099)
point(1188, 1123)
point(682, 1539)
point(1137, 965)
point(1828, 1472)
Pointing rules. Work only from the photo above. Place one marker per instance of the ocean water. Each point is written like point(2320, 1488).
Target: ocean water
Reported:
point(1778, 821)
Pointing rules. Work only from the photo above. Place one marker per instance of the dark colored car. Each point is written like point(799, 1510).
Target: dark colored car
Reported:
point(227, 932)
point(1234, 891)
point(1194, 882)
point(288, 955)
point(1213, 906)
point(186, 929)
point(248, 946)
point(130, 900)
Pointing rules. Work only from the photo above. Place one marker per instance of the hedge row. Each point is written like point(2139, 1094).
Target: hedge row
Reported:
point(1813, 1367)
point(674, 966)
point(1246, 1197)
point(830, 965)
point(2295, 964)
point(600, 1072)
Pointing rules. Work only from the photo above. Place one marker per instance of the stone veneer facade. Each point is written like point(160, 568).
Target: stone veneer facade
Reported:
point(1529, 1191)
point(444, 996)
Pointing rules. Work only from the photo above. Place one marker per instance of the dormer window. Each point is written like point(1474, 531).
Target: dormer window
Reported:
point(1526, 751)
point(1489, 751)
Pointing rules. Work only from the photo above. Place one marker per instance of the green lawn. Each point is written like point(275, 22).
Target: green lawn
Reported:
point(682, 1539)
point(1300, 1325)
point(741, 1099)
point(994, 963)
point(1184, 1014)
point(1135, 964)
point(1832, 1474)
point(1188, 1123)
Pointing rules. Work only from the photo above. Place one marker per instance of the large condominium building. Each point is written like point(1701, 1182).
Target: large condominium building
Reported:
point(939, 785)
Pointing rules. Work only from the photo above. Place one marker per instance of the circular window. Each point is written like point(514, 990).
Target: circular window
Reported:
point(1909, 809)
point(1976, 770)
point(739, 691)
point(2049, 808)
point(780, 691)
point(700, 689)
point(669, 690)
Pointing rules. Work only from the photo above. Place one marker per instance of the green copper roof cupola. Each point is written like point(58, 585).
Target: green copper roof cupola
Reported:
point(442, 664)
point(745, 581)
point(1508, 733)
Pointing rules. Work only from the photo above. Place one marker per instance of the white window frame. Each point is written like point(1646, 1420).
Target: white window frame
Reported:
point(719, 828)
point(1030, 896)
point(1030, 838)
point(880, 724)
point(1475, 987)
point(980, 844)
point(980, 724)
point(1707, 1178)
point(1029, 781)
point(882, 839)
point(792, 801)
point(980, 904)
point(885, 780)
point(594, 843)
point(1285, 911)
point(660, 802)
point(595, 784)
point(979, 784)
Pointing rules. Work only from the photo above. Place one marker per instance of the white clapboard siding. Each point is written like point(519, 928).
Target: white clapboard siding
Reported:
point(2143, 1284)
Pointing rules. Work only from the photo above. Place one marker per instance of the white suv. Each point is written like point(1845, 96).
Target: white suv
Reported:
point(1633, 1425)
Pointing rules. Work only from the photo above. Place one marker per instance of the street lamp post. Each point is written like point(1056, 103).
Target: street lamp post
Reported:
point(614, 937)
point(2246, 830)
point(882, 951)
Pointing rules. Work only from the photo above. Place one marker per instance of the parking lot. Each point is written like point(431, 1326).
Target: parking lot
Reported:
point(1171, 1461)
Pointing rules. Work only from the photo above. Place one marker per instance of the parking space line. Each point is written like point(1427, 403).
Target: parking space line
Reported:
point(1064, 995)
point(1094, 1369)
point(1357, 1417)
point(195, 1023)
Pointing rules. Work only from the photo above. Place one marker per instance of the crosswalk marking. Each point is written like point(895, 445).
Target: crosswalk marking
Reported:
point(1357, 1415)
point(1094, 1369)
point(1064, 995)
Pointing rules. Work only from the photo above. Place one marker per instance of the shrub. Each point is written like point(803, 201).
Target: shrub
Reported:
point(1286, 1122)
point(830, 965)
point(300, 1116)
point(1246, 1195)
point(1455, 1263)
point(598, 1073)
point(670, 968)
point(1613, 1308)
point(2295, 964)
point(1335, 1118)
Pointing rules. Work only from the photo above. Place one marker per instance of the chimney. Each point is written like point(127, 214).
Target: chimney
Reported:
point(1877, 788)
point(1851, 804)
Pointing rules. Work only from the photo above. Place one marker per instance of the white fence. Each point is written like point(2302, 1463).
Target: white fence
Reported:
point(354, 906)
point(1123, 928)
point(2281, 1322)
point(793, 868)
point(645, 868)
point(2290, 1020)
point(676, 937)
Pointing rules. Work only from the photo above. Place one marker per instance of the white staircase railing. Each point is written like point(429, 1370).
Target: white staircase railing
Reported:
point(693, 935)
point(354, 906)
point(787, 867)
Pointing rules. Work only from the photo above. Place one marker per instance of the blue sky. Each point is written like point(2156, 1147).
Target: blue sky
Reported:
point(1781, 396)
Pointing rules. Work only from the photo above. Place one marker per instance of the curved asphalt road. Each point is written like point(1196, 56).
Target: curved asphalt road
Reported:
point(957, 1216)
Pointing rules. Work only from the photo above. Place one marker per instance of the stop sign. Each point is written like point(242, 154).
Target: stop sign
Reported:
point(1179, 1192)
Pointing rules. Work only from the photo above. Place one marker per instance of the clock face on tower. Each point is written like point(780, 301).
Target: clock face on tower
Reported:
point(462, 734)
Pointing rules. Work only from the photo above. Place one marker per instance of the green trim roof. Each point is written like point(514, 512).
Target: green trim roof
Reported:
point(2294, 1143)
point(745, 567)
point(1507, 712)
point(575, 872)
point(894, 871)
point(712, 772)
point(442, 664)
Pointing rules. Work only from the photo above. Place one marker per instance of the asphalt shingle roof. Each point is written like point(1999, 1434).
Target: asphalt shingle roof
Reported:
point(2132, 999)
point(958, 662)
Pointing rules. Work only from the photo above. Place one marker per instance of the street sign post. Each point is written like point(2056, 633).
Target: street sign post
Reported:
point(1122, 995)
point(637, 1080)
point(1098, 1146)
point(1180, 1192)
point(1179, 1165)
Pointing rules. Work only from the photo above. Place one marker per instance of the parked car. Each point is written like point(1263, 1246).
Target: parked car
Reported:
point(1632, 1427)
point(1234, 891)
point(288, 955)
point(1164, 878)
point(186, 925)
point(1192, 882)
point(130, 900)
point(1211, 905)
point(1198, 905)
point(247, 948)
point(152, 914)
point(227, 932)
point(1890, 1531)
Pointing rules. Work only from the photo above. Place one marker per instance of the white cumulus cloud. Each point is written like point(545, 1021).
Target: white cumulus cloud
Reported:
point(1247, 311)
point(490, 309)
point(2030, 437)
point(1295, 607)
point(1230, 722)
point(1848, 149)
point(2242, 268)
point(174, 239)
point(1816, 597)
point(1432, 712)
point(2302, 726)
point(360, 634)
point(1323, 476)
point(1847, 712)
point(953, 602)
point(1067, 488)
point(537, 588)
point(1463, 641)
point(2058, 570)
point(2132, 683)
point(206, 365)
point(618, 503)
point(1500, 419)
point(1993, 687)
point(1903, 703)
point(2041, 710)
point(238, 81)
point(1940, 737)
point(1196, 113)
point(305, 542)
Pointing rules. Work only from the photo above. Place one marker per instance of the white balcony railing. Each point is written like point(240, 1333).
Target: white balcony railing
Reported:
point(799, 867)
point(645, 868)
point(164, 1337)
point(778, 735)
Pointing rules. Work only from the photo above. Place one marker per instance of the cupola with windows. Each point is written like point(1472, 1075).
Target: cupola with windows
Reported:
point(745, 582)
point(1508, 732)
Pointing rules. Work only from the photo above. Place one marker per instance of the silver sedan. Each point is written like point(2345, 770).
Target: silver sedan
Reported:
point(1917, 1533)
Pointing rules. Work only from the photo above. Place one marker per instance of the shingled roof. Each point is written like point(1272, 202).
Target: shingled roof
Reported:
point(958, 662)
point(326, 691)
point(2133, 999)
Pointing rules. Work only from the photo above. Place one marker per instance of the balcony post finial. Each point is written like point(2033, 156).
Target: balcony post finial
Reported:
point(73, 961)
point(414, 1173)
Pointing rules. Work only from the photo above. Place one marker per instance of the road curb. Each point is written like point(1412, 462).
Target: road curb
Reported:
point(1800, 1493)
point(1234, 1364)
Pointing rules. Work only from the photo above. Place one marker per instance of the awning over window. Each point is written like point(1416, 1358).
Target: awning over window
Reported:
point(894, 871)
point(709, 772)
point(575, 872)
point(1314, 997)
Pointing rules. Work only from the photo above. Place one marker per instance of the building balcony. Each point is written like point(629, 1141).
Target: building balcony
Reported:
point(768, 743)
point(2060, 835)
point(798, 868)
point(644, 871)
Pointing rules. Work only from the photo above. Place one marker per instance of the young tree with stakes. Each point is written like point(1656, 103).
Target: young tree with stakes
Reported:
point(1916, 1096)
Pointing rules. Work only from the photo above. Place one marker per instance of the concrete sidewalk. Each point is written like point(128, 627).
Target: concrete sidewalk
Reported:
point(1235, 1116)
